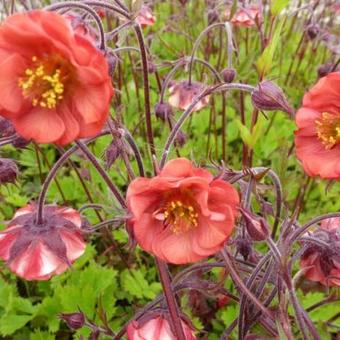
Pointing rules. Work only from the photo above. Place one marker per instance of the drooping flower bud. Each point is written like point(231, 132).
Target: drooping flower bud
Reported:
point(228, 75)
point(257, 226)
point(113, 151)
point(20, 142)
point(212, 16)
point(181, 138)
point(269, 97)
point(313, 31)
point(163, 111)
point(8, 171)
point(6, 128)
point(73, 320)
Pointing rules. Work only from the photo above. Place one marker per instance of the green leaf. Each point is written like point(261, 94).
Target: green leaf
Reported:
point(9, 323)
point(265, 62)
point(40, 335)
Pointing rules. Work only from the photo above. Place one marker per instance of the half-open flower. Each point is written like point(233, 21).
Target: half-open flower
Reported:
point(321, 263)
point(157, 328)
point(145, 17)
point(317, 139)
point(183, 93)
point(38, 251)
point(54, 83)
point(183, 214)
point(245, 16)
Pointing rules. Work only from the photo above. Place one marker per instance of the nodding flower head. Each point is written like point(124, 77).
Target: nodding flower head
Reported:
point(183, 93)
point(320, 262)
point(36, 251)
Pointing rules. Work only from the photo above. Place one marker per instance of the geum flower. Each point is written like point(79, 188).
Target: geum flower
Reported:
point(54, 83)
point(145, 17)
point(39, 251)
point(157, 328)
point(317, 139)
point(246, 16)
point(322, 263)
point(183, 214)
point(183, 93)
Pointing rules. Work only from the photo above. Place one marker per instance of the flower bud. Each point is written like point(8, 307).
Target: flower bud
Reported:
point(20, 142)
point(112, 62)
point(269, 97)
point(228, 75)
point(6, 128)
point(8, 171)
point(212, 16)
point(257, 226)
point(324, 69)
point(113, 151)
point(74, 320)
point(313, 31)
point(181, 138)
point(163, 111)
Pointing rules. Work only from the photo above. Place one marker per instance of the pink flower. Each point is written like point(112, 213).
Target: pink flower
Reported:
point(54, 83)
point(37, 252)
point(317, 139)
point(157, 328)
point(183, 214)
point(245, 17)
point(182, 95)
point(145, 17)
point(321, 263)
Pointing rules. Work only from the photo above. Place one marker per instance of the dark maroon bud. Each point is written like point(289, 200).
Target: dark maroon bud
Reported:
point(8, 171)
point(183, 2)
point(244, 247)
point(312, 31)
point(113, 151)
point(163, 111)
point(228, 75)
point(181, 139)
point(212, 16)
point(20, 142)
point(324, 69)
point(6, 128)
point(257, 226)
point(269, 97)
point(94, 335)
point(73, 320)
point(112, 61)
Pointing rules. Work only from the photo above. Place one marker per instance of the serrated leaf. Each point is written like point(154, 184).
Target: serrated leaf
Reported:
point(10, 323)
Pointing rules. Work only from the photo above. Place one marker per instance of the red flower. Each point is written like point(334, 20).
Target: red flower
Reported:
point(245, 16)
point(145, 17)
point(157, 328)
point(54, 83)
point(317, 139)
point(182, 215)
point(321, 263)
point(182, 95)
point(37, 252)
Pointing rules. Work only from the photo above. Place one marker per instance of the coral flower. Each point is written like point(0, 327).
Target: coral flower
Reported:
point(145, 17)
point(182, 215)
point(322, 263)
point(157, 328)
point(39, 251)
point(245, 17)
point(317, 139)
point(183, 93)
point(54, 83)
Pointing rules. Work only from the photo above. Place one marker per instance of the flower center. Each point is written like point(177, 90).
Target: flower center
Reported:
point(43, 82)
point(180, 217)
point(328, 129)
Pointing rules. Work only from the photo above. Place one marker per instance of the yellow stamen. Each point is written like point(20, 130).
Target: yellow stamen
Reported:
point(44, 88)
point(328, 129)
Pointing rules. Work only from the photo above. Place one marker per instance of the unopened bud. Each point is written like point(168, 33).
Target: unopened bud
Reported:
point(73, 320)
point(244, 247)
point(181, 139)
point(112, 62)
point(20, 142)
point(313, 31)
point(8, 171)
point(324, 69)
point(257, 226)
point(269, 97)
point(6, 127)
point(113, 151)
point(212, 16)
point(228, 75)
point(163, 111)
